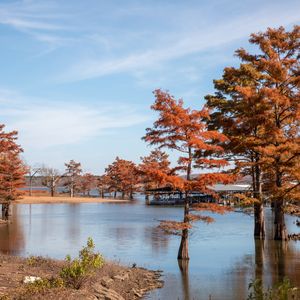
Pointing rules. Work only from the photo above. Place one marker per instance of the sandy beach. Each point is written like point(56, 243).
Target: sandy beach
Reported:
point(65, 199)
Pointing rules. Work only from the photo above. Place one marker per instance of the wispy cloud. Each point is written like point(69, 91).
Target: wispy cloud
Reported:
point(28, 15)
point(42, 124)
point(184, 43)
point(39, 20)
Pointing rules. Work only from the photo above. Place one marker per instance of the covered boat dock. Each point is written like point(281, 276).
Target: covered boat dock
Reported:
point(169, 196)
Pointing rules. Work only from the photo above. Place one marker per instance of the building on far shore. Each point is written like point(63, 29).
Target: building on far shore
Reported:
point(168, 196)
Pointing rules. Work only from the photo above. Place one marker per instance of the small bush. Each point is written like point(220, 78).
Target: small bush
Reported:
point(281, 291)
point(77, 270)
point(35, 261)
point(44, 284)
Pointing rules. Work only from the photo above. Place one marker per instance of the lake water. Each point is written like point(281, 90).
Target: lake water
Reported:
point(224, 257)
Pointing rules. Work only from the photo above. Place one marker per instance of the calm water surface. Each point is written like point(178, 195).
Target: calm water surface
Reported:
point(224, 256)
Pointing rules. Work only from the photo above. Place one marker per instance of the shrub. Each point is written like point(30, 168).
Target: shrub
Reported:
point(77, 270)
point(281, 291)
point(35, 261)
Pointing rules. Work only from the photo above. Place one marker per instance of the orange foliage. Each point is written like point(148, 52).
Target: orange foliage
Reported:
point(122, 176)
point(12, 169)
point(258, 106)
point(154, 169)
point(73, 171)
point(212, 207)
point(86, 182)
point(173, 227)
point(185, 131)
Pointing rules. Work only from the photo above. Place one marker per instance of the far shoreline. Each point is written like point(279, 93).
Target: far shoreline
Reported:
point(65, 200)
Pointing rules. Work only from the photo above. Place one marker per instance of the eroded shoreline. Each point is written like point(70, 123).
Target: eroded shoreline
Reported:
point(113, 281)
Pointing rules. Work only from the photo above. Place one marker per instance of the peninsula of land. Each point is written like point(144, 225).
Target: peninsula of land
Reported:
point(66, 199)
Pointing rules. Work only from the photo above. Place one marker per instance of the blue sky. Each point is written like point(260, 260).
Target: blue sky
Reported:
point(77, 76)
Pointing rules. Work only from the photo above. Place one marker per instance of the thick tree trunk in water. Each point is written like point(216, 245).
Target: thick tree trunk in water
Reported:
point(280, 232)
point(259, 221)
point(6, 211)
point(183, 252)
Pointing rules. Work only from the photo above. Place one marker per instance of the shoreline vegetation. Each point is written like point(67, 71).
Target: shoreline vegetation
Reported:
point(66, 199)
point(111, 281)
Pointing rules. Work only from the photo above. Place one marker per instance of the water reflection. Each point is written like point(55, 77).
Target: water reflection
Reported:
point(11, 234)
point(224, 255)
point(157, 239)
point(184, 270)
point(259, 258)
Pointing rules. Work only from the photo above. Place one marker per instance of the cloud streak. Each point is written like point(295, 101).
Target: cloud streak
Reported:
point(183, 43)
point(43, 125)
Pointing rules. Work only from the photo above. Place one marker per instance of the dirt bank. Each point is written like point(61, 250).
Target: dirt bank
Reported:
point(65, 199)
point(112, 281)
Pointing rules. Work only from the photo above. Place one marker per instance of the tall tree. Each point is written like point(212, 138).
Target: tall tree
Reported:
point(86, 183)
point(267, 85)
point(102, 184)
point(73, 170)
point(123, 177)
point(279, 63)
point(152, 167)
point(32, 172)
point(241, 117)
point(50, 178)
point(12, 169)
point(184, 130)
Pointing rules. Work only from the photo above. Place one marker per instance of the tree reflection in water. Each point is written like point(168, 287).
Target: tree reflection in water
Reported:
point(11, 234)
point(184, 270)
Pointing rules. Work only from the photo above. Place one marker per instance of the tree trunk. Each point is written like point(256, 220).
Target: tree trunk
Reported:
point(147, 199)
point(52, 190)
point(280, 232)
point(183, 252)
point(6, 211)
point(72, 187)
point(259, 221)
point(30, 186)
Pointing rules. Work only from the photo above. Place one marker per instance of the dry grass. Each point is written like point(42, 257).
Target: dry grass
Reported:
point(65, 199)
